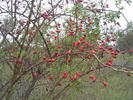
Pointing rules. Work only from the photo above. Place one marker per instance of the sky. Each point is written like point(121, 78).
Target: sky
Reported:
point(127, 12)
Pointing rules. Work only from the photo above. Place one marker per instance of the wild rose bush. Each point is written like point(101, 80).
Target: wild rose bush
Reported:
point(49, 46)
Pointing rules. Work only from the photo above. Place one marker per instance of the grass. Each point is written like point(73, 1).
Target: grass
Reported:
point(119, 88)
point(119, 85)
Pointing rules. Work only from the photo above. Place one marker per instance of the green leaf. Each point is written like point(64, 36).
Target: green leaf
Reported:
point(122, 8)
point(1, 67)
point(66, 67)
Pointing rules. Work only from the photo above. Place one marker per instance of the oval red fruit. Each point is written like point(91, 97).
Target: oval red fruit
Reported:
point(51, 77)
point(91, 76)
point(78, 74)
point(75, 77)
point(34, 74)
point(19, 61)
point(51, 60)
point(58, 31)
point(68, 52)
point(80, 0)
point(128, 74)
point(59, 84)
point(109, 63)
point(104, 83)
point(34, 52)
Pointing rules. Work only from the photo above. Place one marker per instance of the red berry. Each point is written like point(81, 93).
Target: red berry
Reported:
point(68, 52)
point(89, 57)
point(71, 78)
point(110, 60)
point(34, 52)
point(15, 47)
point(65, 72)
point(44, 58)
point(100, 47)
point(91, 76)
point(57, 54)
point(113, 39)
point(90, 22)
point(109, 63)
point(94, 79)
point(59, 46)
point(75, 77)
point(78, 74)
point(67, 1)
point(128, 74)
point(12, 51)
point(59, 84)
point(64, 75)
point(104, 83)
point(24, 46)
point(131, 50)
point(93, 51)
point(78, 43)
point(51, 60)
point(122, 52)
point(117, 50)
point(51, 77)
point(114, 56)
point(80, 0)
point(69, 60)
point(110, 48)
point(19, 61)
point(14, 57)
point(81, 48)
point(71, 33)
point(126, 69)
point(111, 32)
point(34, 75)
point(86, 43)
point(18, 1)
point(11, 60)
point(58, 31)
point(75, 43)
point(107, 39)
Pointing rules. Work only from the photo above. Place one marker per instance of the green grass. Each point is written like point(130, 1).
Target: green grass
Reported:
point(119, 85)
point(119, 88)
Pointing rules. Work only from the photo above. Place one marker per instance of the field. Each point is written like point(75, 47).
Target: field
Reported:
point(119, 85)
point(119, 88)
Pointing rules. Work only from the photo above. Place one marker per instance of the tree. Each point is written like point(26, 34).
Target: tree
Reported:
point(125, 40)
point(51, 45)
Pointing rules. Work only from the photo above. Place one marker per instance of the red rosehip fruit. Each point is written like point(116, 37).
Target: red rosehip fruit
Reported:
point(104, 83)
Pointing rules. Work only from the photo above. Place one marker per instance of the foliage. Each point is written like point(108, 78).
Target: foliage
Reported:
point(125, 40)
point(50, 47)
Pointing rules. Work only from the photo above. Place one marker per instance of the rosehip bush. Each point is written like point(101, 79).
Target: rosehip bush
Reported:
point(48, 47)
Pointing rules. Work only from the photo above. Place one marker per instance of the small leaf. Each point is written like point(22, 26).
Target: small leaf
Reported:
point(1, 67)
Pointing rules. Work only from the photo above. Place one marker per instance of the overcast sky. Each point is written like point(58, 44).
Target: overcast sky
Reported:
point(127, 12)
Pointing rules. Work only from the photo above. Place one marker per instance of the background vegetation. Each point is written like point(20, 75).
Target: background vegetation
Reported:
point(64, 50)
